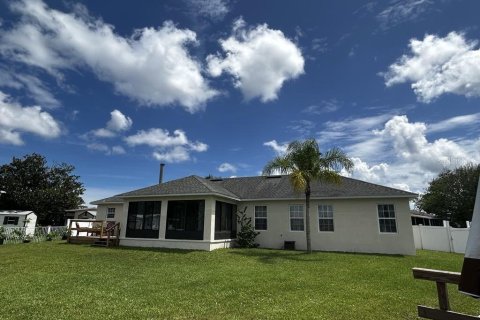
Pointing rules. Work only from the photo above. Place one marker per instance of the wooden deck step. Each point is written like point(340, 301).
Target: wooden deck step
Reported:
point(94, 241)
point(100, 243)
point(82, 240)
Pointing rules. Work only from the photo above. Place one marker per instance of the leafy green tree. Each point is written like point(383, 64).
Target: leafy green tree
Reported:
point(451, 195)
point(304, 162)
point(30, 184)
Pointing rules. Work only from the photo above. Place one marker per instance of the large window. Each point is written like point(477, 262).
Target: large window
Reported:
point(225, 220)
point(386, 218)
point(260, 217)
point(143, 219)
point(296, 218)
point(325, 218)
point(185, 219)
point(10, 220)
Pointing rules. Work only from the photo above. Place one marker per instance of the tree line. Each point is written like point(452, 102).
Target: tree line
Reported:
point(29, 183)
point(451, 195)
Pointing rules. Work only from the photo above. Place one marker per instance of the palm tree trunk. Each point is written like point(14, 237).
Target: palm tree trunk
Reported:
point(307, 217)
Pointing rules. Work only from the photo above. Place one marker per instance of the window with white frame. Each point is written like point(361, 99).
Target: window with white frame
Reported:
point(325, 218)
point(386, 218)
point(110, 213)
point(296, 218)
point(260, 217)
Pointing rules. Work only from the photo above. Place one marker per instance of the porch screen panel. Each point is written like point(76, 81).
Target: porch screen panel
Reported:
point(185, 219)
point(143, 219)
point(225, 220)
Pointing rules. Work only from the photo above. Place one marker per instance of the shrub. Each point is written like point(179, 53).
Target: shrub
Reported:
point(247, 234)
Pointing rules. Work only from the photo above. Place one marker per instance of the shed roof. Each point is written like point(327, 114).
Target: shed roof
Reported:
point(16, 212)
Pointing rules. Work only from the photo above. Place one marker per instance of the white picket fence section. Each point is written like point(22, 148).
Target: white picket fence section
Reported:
point(34, 234)
point(443, 238)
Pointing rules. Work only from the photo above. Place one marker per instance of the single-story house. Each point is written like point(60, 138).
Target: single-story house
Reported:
point(199, 213)
point(425, 219)
point(80, 213)
point(17, 218)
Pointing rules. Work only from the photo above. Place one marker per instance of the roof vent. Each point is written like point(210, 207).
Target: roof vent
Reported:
point(273, 177)
point(216, 179)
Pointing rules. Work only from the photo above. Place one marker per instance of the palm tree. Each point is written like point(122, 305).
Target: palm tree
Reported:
point(304, 163)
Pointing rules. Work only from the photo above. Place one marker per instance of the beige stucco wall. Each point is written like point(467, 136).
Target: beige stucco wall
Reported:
point(356, 227)
point(355, 220)
point(102, 212)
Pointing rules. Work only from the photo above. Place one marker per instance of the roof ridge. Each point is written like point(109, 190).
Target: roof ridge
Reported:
point(344, 177)
point(378, 185)
point(199, 179)
point(207, 183)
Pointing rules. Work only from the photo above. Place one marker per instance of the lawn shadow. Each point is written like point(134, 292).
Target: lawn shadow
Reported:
point(127, 248)
point(272, 256)
point(152, 249)
point(395, 255)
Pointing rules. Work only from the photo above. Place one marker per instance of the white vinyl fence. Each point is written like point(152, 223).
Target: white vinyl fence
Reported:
point(444, 238)
point(33, 234)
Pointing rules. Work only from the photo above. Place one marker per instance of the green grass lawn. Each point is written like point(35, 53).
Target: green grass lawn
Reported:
point(54, 280)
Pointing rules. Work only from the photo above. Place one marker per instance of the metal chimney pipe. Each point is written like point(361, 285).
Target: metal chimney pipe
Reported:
point(160, 178)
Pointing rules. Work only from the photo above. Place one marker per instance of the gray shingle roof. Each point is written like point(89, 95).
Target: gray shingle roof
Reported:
point(113, 199)
point(184, 186)
point(279, 187)
point(261, 187)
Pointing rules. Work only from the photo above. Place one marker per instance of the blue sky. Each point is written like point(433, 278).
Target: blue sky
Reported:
point(220, 87)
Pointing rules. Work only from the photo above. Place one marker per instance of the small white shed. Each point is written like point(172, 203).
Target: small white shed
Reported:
point(17, 218)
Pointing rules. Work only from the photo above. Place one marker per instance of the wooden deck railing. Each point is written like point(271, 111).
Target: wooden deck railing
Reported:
point(98, 229)
point(113, 230)
point(441, 278)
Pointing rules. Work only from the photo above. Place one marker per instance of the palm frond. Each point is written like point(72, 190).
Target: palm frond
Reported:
point(304, 163)
point(330, 176)
point(336, 159)
point(298, 180)
point(281, 164)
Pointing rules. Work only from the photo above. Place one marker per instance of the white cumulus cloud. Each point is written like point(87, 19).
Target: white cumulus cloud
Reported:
point(363, 171)
point(410, 143)
point(176, 154)
point(259, 59)
point(16, 119)
point(152, 66)
point(118, 122)
point(158, 138)
point(398, 153)
point(279, 148)
point(168, 147)
point(225, 167)
point(438, 66)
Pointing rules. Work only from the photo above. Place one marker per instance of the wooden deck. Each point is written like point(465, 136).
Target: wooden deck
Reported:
point(95, 232)
point(87, 240)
